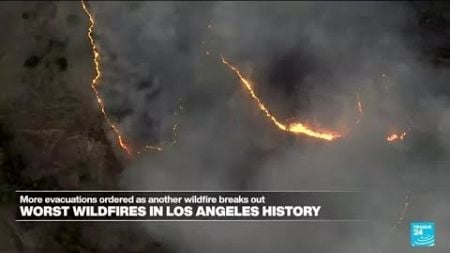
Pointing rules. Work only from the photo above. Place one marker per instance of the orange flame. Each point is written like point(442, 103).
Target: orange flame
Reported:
point(295, 127)
point(98, 75)
point(396, 137)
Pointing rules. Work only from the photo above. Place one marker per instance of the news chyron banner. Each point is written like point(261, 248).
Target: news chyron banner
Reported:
point(188, 206)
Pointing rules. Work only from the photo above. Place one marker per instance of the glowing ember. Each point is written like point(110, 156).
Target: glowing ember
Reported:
point(295, 127)
point(157, 148)
point(396, 137)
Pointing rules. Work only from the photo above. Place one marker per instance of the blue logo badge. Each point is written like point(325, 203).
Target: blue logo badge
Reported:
point(422, 234)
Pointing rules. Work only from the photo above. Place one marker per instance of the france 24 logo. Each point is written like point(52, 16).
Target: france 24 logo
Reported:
point(422, 234)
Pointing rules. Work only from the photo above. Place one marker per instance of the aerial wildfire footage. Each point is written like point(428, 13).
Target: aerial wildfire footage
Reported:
point(296, 128)
point(242, 96)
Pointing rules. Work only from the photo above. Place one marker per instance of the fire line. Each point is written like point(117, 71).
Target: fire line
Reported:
point(295, 127)
point(95, 82)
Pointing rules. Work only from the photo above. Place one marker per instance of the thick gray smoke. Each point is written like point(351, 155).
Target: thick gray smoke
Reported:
point(308, 62)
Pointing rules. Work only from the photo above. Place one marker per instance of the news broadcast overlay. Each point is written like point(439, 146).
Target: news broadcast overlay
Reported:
point(188, 206)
